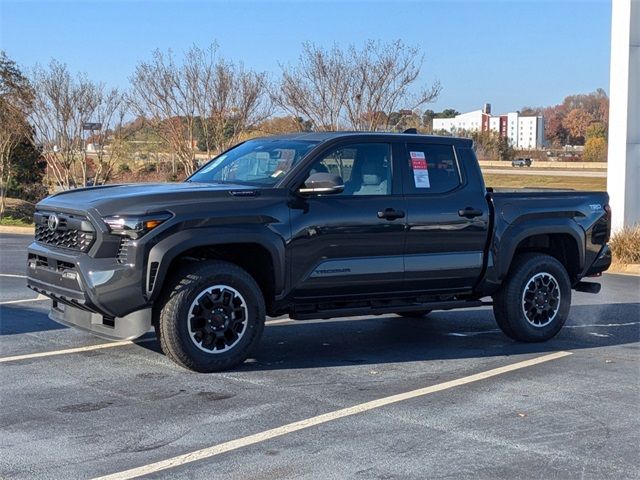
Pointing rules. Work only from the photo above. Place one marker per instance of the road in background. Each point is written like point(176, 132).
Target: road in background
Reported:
point(545, 172)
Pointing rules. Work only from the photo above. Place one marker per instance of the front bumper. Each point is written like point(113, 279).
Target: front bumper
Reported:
point(122, 328)
point(99, 295)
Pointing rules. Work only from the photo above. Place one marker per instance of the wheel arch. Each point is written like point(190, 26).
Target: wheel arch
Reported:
point(260, 253)
point(562, 239)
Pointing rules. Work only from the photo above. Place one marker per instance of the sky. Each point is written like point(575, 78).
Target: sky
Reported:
point(508, 53)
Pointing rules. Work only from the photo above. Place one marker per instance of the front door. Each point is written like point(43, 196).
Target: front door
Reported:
point(351, 243)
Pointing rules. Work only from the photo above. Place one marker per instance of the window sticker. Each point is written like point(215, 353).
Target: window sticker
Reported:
point(420, 171)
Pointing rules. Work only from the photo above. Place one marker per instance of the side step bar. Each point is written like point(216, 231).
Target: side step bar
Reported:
point(380, 310)
point(587, 287)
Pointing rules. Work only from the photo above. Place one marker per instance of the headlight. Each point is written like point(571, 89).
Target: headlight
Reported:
point(135, 226)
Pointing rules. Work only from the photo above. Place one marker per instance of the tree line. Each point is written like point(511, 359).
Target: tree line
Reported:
point(581, 120)
point(199, 102)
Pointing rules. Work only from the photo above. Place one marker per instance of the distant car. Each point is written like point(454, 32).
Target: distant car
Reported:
point(521, 162)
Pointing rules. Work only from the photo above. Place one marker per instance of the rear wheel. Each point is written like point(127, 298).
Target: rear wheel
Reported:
point(212, 316)
point(534, 301)
point(414, 313)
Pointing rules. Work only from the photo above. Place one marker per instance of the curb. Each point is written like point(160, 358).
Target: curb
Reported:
point(625, 268)
point(18, 230)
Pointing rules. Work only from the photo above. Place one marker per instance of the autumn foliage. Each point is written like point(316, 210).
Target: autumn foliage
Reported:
point(568, 122)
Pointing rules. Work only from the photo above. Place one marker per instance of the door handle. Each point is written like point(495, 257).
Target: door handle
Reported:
point(470, 212)
point(391, 214)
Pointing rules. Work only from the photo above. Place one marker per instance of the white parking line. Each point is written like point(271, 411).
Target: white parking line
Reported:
point(88, 348)
point(589, 325)
point(11, 275)
point(497, 330)
point(214, 450)
point(25, 300)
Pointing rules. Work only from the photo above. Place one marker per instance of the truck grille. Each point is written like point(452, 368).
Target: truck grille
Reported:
point(64, 231)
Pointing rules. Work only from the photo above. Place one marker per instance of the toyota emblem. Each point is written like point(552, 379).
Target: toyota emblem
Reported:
point(53, 222)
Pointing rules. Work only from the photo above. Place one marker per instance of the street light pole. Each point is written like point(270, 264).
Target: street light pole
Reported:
point(91, 126)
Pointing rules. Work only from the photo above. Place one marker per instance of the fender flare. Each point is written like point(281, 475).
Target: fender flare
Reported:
point(511, 237)
point(165, 251)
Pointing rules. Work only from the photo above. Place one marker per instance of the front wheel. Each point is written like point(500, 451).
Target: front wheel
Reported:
point(212, 316)
point(534, 301)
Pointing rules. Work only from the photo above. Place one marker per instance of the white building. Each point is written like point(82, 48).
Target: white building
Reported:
point(530, 132)
point(470, 122)
point(523, 132)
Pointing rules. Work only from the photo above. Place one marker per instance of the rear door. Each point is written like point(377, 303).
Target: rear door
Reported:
point(351, 243)
point(448, 217)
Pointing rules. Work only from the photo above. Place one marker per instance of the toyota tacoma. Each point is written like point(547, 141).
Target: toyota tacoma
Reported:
point(313, 225)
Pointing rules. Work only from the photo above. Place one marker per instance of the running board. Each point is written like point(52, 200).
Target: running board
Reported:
point(381, 310)
point(587, 287)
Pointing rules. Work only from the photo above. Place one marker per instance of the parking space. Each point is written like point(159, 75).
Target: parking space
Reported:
point(474, 404)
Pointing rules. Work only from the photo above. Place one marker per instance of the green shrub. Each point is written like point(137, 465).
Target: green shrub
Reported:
point(14, 222)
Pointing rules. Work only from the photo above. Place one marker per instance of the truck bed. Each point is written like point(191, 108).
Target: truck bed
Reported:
point(584, 215)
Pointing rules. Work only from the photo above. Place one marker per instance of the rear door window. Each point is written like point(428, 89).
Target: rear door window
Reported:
point(432, 169)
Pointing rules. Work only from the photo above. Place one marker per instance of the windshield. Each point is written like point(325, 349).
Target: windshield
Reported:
point(255, 162)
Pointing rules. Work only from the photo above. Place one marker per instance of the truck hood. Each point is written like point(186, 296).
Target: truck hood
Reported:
point(140, 198)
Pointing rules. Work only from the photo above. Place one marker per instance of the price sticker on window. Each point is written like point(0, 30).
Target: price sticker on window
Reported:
point(420, 170)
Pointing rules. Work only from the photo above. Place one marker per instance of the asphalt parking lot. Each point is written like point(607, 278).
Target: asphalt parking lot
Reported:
point(369, 397)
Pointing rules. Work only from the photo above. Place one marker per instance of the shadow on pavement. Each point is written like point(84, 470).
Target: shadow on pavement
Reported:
point(440, 336)
point(25, 318)
point(392, 339)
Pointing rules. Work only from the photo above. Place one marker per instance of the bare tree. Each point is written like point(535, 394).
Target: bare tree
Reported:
point(317, 87)
point(110, 113)
point(62, 105)
point(380, 81)
point(160, 94)
point(354, 88)
point(229, 100)
point(16, 96)
point(204, 98)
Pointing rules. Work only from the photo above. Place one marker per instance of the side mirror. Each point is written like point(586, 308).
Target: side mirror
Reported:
point(322, 182)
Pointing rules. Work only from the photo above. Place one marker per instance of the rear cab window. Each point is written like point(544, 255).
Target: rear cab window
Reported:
point(432, 169)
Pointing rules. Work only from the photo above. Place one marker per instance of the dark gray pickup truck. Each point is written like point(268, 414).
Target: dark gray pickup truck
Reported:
point(313, 225)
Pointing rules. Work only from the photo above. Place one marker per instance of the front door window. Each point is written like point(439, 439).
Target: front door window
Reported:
point(365, 169)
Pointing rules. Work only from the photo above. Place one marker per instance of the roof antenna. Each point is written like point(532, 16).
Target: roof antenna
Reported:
point(411, 130)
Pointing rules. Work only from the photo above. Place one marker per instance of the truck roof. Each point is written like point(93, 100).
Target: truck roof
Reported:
point(326, 136)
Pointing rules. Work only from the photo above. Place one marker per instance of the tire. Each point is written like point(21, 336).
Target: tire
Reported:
point(534, 301)
point(211, 316)
point(414, 314)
